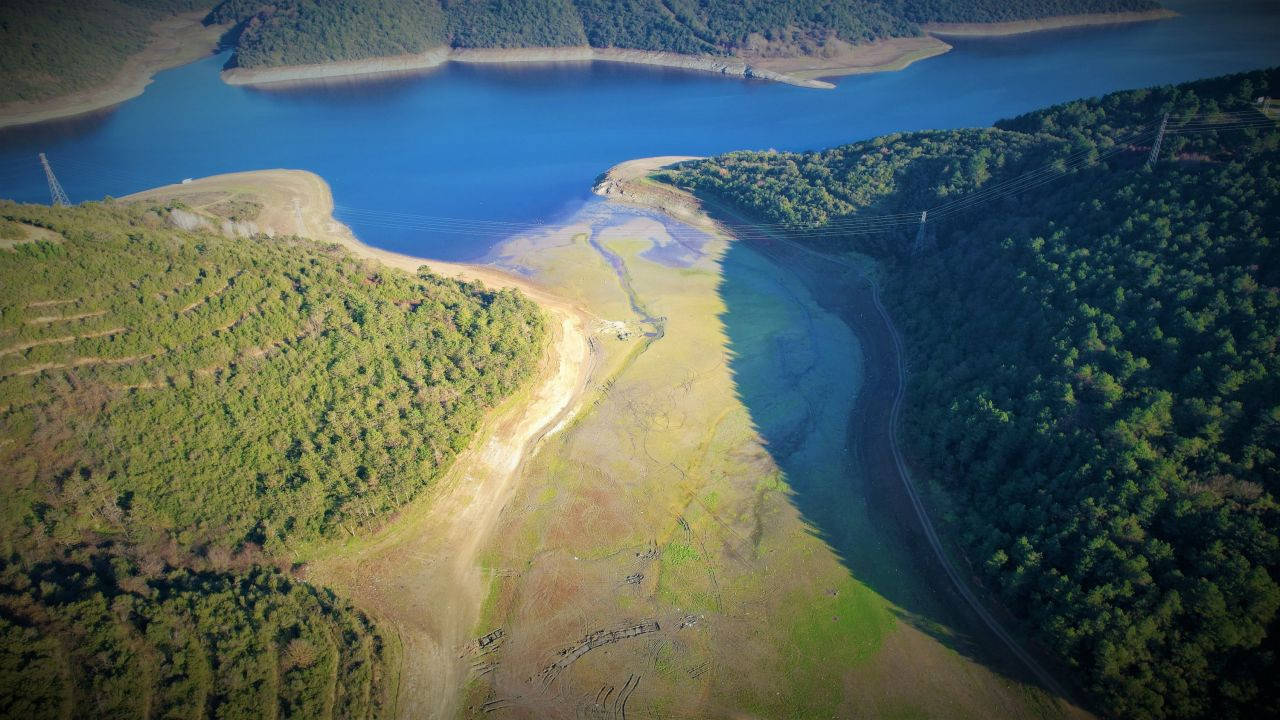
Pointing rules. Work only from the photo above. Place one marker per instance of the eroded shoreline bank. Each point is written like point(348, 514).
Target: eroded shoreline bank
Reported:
point(437, 57)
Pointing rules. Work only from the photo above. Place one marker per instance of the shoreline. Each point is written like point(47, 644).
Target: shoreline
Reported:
point(436, 57)
point(180, 39)
point(1056, 22)
point(312, 217)
point(454, 518)
point(886, 55)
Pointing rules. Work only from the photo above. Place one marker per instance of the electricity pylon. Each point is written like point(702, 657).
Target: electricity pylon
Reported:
point(1155, 149)
point(55, 188)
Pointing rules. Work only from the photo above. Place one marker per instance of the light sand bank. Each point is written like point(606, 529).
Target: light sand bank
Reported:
point(178, 40)
point(438, 56)
point(1059, 22)
point(886, 55)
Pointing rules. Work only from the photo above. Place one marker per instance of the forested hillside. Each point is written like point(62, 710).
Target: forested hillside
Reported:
point(50, 48)
point(54, 47)
point(103, 639)
point(1094, 388)
point(289, 32)
point(179, 412)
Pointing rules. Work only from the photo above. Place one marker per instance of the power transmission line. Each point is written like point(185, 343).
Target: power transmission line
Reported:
point(56, 192)
point(1155, 148)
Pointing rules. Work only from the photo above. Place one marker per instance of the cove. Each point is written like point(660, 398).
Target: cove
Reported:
point(451, 162)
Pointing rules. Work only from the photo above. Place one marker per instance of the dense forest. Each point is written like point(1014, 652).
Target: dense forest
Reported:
point(1094, 394)
point(55, 47)
point(176, 425)
point(102, 638)
point(291, 32)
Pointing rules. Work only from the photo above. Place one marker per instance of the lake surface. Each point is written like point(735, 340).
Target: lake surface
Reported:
point(450, 162)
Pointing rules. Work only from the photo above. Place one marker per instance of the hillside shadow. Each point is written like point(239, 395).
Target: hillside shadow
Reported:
point(814, 364)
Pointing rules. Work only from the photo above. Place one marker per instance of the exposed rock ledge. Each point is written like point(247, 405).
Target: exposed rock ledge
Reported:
point(439, 56)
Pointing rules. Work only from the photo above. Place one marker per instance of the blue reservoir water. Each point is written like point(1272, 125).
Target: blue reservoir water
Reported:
point(449, 162)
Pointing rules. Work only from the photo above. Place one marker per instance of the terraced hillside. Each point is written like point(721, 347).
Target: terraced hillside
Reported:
point(180, 412)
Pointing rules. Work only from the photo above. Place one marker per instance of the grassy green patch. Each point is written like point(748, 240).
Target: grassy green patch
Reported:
point(676, 554)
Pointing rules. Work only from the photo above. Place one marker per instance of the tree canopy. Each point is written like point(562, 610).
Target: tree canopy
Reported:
point(291, 32)
point(180, 412)
point(1095, 384)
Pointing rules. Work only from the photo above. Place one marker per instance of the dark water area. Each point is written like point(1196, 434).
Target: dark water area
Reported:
point(448, 163)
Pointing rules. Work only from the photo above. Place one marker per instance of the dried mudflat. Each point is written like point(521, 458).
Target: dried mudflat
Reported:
point(696, 542)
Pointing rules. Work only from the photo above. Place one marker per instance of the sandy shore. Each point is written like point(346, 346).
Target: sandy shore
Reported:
point(886, 55)
point(1050, 23)
point(178, 40)
point(297, 202)
point(436, 57)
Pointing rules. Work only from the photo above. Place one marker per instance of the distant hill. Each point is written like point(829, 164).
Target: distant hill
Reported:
point(179, 413)
point(50, 48)
point(1094, 386)
point(295, 32)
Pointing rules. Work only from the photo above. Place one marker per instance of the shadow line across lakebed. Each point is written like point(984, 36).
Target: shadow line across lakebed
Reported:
point(854, 499)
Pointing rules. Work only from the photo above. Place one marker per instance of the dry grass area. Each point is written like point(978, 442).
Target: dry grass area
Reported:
point(20, 233)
